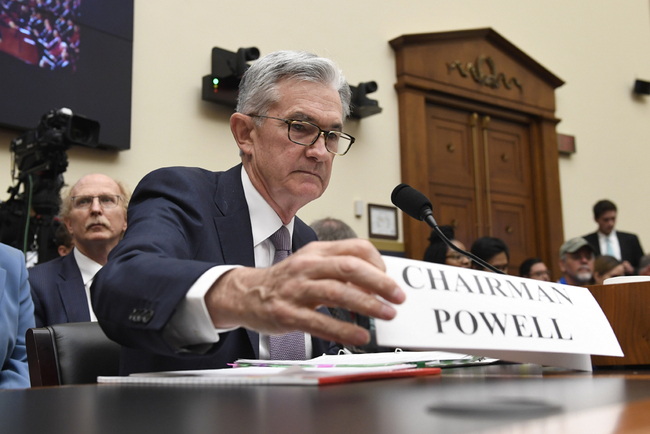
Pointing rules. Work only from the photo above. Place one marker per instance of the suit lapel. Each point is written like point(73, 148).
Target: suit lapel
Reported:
point(72, 291)
point(621, 242)
point(234, 224)
point(594, 241)
point(302, 234)
point(255, 341)
point(298, 240)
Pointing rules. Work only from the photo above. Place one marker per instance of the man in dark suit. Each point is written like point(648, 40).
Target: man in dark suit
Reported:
point(94, 212)
point(195, 283)
point(608, 241)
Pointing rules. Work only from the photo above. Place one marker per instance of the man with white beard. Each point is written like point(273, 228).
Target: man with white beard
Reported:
point(577, 262)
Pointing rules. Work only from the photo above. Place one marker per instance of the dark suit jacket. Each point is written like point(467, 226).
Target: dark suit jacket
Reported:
point(181, 222)
point(630, 246)
point(58, 292)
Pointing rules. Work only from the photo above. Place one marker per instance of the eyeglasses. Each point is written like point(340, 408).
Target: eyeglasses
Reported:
point(582, 254)
point(105, 201)
point(455, 256)
point(305, 133)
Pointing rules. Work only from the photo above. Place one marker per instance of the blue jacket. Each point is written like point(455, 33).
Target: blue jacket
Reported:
point(16, 316)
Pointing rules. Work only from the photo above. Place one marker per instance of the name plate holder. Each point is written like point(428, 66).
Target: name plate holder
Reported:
point(498, 316)
point(627, 307)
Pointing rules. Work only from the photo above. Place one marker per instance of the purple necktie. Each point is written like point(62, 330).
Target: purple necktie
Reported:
point(289, 346)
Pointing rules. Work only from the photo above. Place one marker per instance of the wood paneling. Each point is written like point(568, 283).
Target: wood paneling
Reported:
point(484, 150)
point(626, 306)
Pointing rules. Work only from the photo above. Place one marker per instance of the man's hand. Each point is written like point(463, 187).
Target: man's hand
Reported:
point(629, 269)
point(282, 298)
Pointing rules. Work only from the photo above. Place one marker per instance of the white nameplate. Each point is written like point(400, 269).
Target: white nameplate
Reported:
point(492, 315)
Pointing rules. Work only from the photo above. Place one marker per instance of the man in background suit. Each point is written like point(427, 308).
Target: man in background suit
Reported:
point(16, 316)
point(94, 212)
point(194, 283)
point(608, 241)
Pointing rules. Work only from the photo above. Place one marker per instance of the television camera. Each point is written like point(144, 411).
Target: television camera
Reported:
point(28, 219)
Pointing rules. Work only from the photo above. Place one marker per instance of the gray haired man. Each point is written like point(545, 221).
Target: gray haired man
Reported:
point(195, 283)
point(577, 262)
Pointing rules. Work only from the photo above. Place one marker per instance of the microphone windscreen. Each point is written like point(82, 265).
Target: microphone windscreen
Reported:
point(409, 200)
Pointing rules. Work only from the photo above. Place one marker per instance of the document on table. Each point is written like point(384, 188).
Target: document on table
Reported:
point(317, 371)
point(419, 358)
point(258, 375)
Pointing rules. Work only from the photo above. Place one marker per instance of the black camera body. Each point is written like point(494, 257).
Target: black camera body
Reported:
point(43, 148)
point(28, 218)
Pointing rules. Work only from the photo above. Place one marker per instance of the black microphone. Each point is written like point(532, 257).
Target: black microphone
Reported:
point(416, 205)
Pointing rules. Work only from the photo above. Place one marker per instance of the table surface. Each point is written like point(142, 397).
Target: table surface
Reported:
point(485, 399)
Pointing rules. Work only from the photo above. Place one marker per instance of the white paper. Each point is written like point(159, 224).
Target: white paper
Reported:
point(432, 358)
point(483, 313)
point(255, 375)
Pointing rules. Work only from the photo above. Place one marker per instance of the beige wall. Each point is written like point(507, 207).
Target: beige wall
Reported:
point(598, 47)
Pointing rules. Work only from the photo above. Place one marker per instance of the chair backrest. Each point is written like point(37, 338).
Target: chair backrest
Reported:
point(72, 353)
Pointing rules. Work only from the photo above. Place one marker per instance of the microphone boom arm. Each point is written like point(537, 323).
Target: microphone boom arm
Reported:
point(416, 205)
point(427, 216)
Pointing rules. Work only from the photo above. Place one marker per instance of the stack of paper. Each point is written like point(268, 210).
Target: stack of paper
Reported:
point(318, 371)
point(420, 359)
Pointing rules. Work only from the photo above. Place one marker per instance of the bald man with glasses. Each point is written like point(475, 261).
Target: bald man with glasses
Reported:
point(215, 266)
point(94, 213)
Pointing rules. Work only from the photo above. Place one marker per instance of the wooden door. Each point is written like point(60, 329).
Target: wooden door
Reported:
point(479, 178)
point(477, 135)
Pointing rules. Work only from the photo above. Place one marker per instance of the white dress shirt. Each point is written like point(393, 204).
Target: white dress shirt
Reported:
point(191, 324)
point(613, 240)
point(88, 269)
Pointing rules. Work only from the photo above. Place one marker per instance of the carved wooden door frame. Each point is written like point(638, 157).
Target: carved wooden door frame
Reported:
point(470, 69)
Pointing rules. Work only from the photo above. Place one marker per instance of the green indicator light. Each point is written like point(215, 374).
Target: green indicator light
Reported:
point(215, 81)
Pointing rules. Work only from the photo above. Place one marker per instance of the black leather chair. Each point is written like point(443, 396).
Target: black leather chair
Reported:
point(72, 353)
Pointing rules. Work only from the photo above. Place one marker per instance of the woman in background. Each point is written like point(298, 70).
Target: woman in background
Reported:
point(606, 267)
point(439, 253)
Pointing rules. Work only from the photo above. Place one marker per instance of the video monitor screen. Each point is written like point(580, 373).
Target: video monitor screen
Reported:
point(67, 53)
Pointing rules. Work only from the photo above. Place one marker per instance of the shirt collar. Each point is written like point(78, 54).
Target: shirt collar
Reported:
point(87, 266)
point(264, 220)
point(611, 235)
